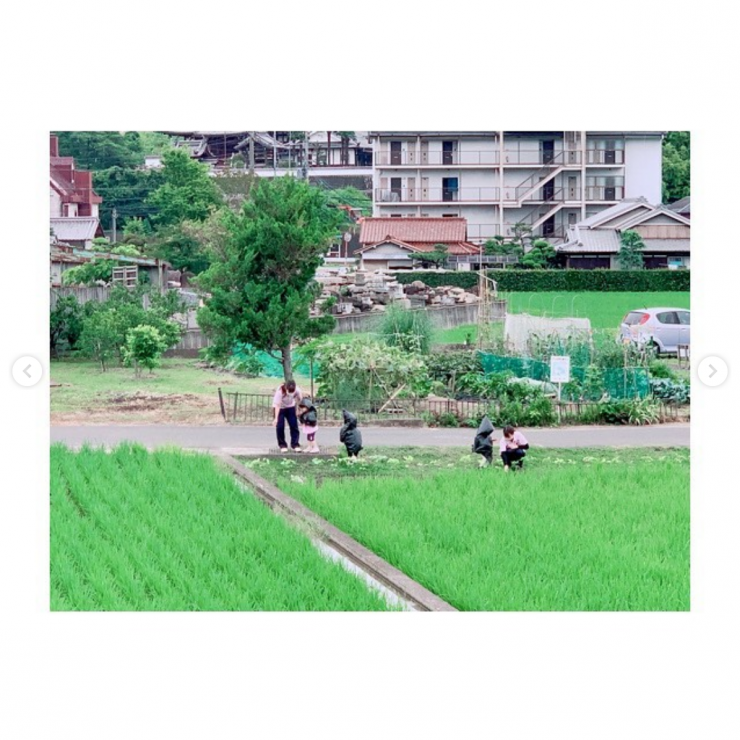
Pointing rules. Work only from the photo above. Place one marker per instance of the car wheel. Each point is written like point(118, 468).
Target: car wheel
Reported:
point(656, 348)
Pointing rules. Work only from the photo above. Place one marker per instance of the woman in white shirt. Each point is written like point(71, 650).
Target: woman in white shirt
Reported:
point(286, 399)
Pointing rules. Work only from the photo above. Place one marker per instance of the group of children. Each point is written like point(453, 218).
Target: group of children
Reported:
point(289, 404)
point(512, 447)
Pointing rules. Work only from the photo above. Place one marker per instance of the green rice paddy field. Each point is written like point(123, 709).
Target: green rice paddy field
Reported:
point(170, 530)
point(601, 530)
point(133, 530)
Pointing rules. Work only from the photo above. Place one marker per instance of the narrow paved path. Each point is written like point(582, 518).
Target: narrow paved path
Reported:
point(260, 439)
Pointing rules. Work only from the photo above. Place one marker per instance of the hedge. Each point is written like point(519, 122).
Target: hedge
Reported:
point(560, 280)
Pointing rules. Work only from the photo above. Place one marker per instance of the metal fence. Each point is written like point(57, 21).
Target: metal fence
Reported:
point(253, 407)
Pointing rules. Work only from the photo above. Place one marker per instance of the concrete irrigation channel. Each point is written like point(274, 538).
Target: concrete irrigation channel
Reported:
point(338, 545)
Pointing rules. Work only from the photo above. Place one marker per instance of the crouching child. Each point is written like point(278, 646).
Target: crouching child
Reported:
point(350, 435)
point(483, 443)
point(513, 447)
point(310, 421)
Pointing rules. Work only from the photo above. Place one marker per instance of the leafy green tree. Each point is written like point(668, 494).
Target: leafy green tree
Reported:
point(521, 238)
point(498, 245)
point(541, 256)
point(137, 232)
point(436, 258)
point(187, 191)
point(99, 337)
point(144, 347)
point(630, 252)
point(153, 142)
point(65, 324)
point(188, 245)
point(100, 150)
point(127, 190)
point(352, 197)
point(105, 326)
point(261, 284)
point(676, 166)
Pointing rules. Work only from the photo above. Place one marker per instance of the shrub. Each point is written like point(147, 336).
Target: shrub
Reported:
point(65, 324)
point(561, 280)
point(370, 369)
point(247, 364)
point(670, 391)
point(448, 419)
point(144, 347)
point(447, 367)
point(659, 369)
point(625, 411)
point(99, 338)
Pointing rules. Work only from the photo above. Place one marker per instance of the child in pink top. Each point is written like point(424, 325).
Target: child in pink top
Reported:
point(513, 447)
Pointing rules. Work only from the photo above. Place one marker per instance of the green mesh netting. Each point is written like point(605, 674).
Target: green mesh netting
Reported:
point(272, 368)
point(631, 382)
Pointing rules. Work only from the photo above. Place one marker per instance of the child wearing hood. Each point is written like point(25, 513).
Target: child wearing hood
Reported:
point(350, 435)
point(310, 421)
point(483, 443)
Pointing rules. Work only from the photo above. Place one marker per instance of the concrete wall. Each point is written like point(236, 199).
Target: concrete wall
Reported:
point(443, 317)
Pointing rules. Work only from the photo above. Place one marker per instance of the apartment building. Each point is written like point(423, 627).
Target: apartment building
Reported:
point(548, 180)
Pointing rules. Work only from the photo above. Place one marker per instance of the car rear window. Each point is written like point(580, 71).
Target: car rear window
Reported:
point(667, 317)
point(633, 318)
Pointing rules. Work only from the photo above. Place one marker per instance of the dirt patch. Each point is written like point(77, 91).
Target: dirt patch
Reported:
point(152, 401)
point(145, 408)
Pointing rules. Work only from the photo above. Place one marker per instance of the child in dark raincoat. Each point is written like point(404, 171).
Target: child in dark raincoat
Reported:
point(310, 421)
point(483, 444)
point(350, 435)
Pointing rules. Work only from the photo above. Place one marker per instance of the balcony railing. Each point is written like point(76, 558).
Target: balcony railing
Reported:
point(605, 156)
point(560, 158)
point(600, 192)
point(465, 158)
point(413, 158)
point(509, 195)
point(435, 195)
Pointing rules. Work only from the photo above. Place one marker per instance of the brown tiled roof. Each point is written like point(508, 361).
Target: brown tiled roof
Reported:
point(414, 230)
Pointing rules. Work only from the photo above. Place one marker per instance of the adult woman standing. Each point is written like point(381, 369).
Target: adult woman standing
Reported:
point(287, 397)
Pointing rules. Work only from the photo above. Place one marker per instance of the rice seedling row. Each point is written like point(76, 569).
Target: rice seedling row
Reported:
point(133, 530)
point(577, 532)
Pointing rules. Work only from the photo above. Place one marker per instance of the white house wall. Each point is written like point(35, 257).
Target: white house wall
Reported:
point(55, 205)
point(643, 160)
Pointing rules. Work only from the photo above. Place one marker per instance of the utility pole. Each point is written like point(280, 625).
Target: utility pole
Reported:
point(114, 216)
point(251, 153)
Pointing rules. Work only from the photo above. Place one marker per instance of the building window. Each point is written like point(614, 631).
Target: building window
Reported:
point(450, 186)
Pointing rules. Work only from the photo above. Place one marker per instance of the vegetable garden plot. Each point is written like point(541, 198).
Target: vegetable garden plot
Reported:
point(587, 534)
point(169, 531)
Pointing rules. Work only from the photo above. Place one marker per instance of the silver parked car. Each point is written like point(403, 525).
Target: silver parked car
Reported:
point(664, 328)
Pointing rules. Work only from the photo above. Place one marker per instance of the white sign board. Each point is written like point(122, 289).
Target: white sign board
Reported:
point(560, 369)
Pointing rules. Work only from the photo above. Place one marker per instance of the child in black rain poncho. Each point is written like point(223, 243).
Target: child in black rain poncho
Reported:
point(483, 444)
point(350, 435)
